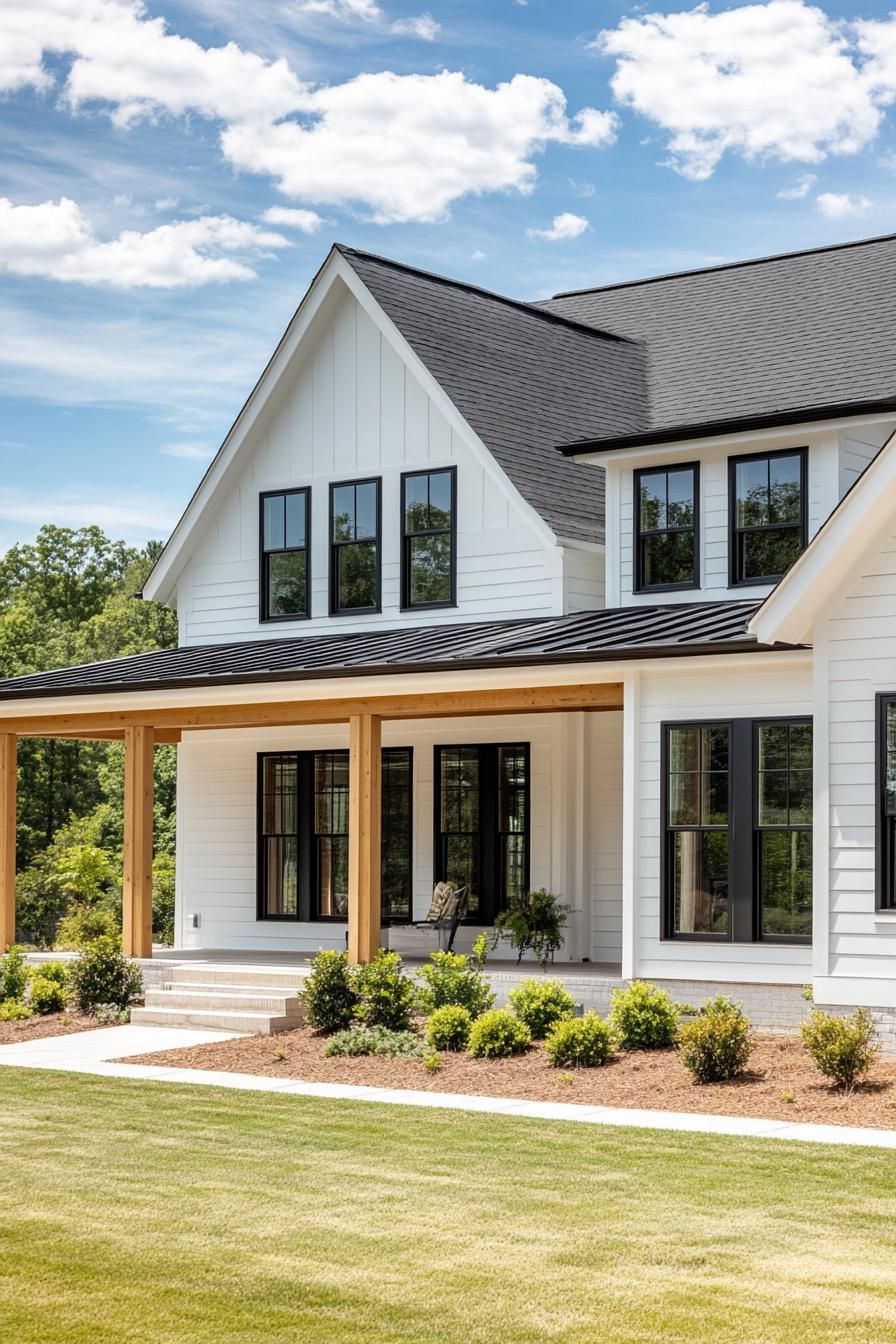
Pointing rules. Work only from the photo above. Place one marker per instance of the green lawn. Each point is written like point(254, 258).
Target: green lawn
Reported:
point(134, 1211)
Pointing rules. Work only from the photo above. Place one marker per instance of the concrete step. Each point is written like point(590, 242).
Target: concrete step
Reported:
point(232, 976)
point(254, 1024)
point(246, 999)
point(202, 986)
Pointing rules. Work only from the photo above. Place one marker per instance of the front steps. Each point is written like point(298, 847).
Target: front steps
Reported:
point(228, 998)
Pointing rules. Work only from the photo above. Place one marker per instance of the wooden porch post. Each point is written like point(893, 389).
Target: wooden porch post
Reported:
point(8, 773)
point(138, 810)
point(364, 824)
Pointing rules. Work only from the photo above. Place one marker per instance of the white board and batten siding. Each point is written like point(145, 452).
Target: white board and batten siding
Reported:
point(350, 407)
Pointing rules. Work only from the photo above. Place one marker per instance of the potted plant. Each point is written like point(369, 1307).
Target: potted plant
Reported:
point(534, 922)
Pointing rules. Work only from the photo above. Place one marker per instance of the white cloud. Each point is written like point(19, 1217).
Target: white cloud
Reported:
point(422, 25)
point(306, 221)
point(166, 203)
point(478, 255)
point(564, 227)
point(150, 516)
point(763, 80)
point(343, 9)
point(840, 205)
point(56, 241)
point(192, 452)
point(799, 189)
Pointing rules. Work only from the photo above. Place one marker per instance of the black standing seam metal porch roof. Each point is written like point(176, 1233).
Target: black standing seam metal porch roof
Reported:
point(623, 633)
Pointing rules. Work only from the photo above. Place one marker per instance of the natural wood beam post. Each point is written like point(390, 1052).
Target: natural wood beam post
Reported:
point(8, 779)
point(364, 825)
point(138, 809)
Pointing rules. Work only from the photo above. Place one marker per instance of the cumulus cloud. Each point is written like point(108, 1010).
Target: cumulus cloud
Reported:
point(564, 226)
point(403, 146)
point(56, 241)
point(306, 221)
point(423, 26)
point(840, 205)
point(799, 189)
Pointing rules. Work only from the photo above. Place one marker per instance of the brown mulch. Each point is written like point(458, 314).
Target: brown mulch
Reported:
point(53, 1024)
point(782, 1083)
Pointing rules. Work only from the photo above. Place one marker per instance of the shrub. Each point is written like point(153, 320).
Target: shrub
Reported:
point(449, 1027)
point(716, 1045)
point(454, 979)
point(102, 974)
point(13, 974)
point(643, 1017)
point(579, 1042)
point(364, 1040)
point(85, 925)
point(12, 1010)
point(57, 971)
point(46, 996)
point(110, 1015)
point(497, 1034)
point(329, 992)
point(541, 1003)
point(432, 1061)
point(385, 994)
point(843, 1048)
point(536, 922)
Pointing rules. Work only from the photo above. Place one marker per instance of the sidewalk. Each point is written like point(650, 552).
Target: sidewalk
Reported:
point(91, 1052)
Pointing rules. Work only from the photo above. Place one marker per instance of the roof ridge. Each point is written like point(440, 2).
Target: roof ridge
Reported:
point(530, 308)
point(724, 266)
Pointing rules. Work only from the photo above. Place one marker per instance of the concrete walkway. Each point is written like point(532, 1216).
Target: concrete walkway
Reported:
point(92, 1052)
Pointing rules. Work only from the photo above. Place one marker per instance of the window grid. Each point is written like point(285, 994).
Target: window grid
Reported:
point(285, 555)
point(355, 540)
point(429, 539)
point(886, 802)
point(767, 513)
point(667, 528)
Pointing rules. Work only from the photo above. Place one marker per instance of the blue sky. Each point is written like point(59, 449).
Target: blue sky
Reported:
point(149, 151)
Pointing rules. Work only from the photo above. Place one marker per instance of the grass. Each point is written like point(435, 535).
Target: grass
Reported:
point(138, 1212)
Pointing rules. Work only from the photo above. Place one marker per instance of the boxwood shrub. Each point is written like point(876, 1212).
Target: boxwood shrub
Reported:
point(448, 1027)
point(497, 1034)
point(643, 1017)
point(46, 996)
point(329, 993)
point(102, 974)
point(579, 1042)
point(541, 1003)
point(386, 996)
point(843, 1048)
point(717, 1045)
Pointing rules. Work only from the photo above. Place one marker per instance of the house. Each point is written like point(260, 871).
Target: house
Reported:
point(595, 593)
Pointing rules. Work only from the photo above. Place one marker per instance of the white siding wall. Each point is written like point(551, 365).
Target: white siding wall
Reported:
point(858, 446)
point(583, 579)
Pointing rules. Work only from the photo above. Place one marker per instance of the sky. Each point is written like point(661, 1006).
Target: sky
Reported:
point(173, 174)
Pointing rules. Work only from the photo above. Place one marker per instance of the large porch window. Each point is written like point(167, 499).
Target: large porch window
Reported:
point(482, 808)
point(303, 835)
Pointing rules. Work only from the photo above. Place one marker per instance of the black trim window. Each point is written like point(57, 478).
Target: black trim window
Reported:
point(886, 802)
point(355, 527)
point(737, 808)
point(482, 808)
point(303, 814)
point(285, 580)
point(666, 528)
point(768, 515)
point(429, 538)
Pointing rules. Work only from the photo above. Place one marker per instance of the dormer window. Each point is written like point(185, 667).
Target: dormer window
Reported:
point(768, 515)
point(666, 508)
point(354, 547)
point(285, 572)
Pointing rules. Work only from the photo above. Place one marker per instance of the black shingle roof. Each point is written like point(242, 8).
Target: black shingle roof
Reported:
point(675, 630)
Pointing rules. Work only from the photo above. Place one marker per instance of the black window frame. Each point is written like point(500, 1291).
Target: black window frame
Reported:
point(744, 832)
point(264, 553)
point(406, 538)
point(306, 836)
point(491, 850)
point(639, 585)
point(734, 531)
point(884, 834)
point(335, 546)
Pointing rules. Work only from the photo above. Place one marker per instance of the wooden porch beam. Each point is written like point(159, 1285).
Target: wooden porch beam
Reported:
point(138, 819)
point(8, 780)
point(162, 735)
point(364, 826)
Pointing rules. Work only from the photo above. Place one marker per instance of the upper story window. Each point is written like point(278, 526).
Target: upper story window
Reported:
point(768, 515)
point(428, 538)
point(666, 531)
point(355, 526)
point(886, 802)
point(285, 572)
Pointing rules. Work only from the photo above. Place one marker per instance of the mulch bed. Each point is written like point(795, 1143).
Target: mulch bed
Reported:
point(782, 1082)
point(53, 1024)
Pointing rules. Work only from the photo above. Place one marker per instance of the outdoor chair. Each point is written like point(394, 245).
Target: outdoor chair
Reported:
point(446, 910)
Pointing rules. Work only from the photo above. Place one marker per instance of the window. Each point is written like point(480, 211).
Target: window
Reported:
point(768, 515)
point(303, 834)
point(354, 547)
point(428, 542)
point(737, 807)
point(886, 802)
point(284, 585)
point(666, 528)
point(482, 824)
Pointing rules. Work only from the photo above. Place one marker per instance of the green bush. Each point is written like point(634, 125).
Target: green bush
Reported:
point(541, 1003)
point(579, 1042)
point(111, 1015)
point(497, 1034)
point(163, 899)
point(843, 1048)
point(386, 997)
point(102, 974)
point(433, 1061)
point(13, 974)
point(57, 971)
point(717, 1045)
point(643, 1017)
point(46, 996)
point(454, 979)
point(329, 992)
point(449, 1027)
point(12, 1010)
point(363, 1040)
point(536, 922)
point(84, 925)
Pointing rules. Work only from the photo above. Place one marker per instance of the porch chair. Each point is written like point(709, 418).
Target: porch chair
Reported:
point(446, 910)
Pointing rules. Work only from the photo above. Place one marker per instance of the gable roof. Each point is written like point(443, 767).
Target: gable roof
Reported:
point(524, 379)
point(803, 336)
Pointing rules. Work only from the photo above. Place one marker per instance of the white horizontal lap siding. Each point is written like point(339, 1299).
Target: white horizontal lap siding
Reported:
point(724, 692)
point(352, 409)
point(583, 579)
point(857, 447)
